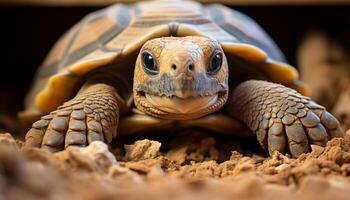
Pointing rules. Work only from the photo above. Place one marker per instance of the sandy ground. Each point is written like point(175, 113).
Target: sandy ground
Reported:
point(187, 170)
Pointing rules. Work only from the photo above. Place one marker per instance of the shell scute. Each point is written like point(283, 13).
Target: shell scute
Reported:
point(112, 33)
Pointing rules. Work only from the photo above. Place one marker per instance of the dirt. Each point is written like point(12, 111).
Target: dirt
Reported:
point(192, 170)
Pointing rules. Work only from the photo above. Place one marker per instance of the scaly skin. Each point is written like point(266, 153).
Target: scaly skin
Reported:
point(92, 115)
point(281, 117)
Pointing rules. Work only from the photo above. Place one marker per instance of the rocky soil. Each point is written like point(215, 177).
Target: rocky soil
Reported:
point(196, 169)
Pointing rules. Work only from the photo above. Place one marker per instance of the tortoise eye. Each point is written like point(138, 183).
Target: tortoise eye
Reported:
point(215, 63)
point(149, 63)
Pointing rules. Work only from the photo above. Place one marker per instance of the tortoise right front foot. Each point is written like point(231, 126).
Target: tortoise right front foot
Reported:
point(92, 115)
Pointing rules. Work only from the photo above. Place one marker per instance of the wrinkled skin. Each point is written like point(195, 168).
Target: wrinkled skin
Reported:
point(181, 89)
point(181, 78)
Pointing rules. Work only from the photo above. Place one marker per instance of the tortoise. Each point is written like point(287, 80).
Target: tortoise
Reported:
point(162, 64)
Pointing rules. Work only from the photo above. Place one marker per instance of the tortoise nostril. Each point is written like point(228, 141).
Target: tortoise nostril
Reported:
point(190, 67)
point(173, 67)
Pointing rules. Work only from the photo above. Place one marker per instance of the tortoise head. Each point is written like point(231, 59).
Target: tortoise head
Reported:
point(180, 77)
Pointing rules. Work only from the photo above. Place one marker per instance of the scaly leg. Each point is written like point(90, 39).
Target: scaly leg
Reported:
point(92, 115)
point(277, 115)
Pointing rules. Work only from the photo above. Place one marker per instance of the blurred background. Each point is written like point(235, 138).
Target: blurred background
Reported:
point(30, 27)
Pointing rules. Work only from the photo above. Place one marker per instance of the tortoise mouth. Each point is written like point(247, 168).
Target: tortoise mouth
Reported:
point(179, 108)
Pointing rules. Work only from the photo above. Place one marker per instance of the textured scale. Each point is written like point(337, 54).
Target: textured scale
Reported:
point(77, 123)
point(292, 117)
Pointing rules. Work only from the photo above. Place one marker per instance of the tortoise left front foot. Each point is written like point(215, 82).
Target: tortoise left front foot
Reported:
point(277, 115)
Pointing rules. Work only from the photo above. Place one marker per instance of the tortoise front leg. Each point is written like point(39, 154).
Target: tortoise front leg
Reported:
point(92, 115)
point(277, 115)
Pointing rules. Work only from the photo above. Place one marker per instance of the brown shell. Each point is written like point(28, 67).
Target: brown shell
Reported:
point(111, 34)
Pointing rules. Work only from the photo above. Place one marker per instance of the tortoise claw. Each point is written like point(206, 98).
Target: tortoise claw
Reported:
point(298, 142)
point(34, 137)
point(276, 138)
point(95, 131)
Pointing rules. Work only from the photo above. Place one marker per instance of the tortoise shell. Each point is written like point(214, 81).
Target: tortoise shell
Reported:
point(111, 34)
